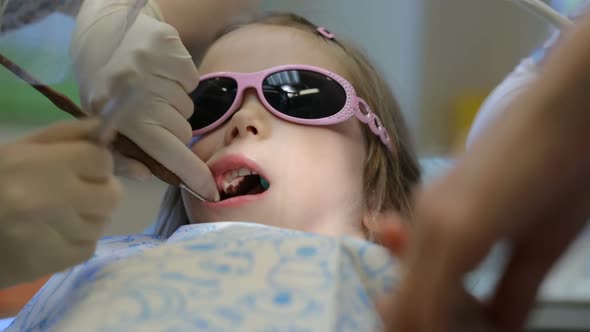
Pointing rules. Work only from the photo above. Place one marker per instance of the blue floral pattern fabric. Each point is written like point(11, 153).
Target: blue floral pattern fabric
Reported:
point(218, 277)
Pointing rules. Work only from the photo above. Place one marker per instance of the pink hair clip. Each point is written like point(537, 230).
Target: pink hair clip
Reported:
point(324, 32)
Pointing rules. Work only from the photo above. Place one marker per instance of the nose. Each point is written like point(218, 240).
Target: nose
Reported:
point(251, 121)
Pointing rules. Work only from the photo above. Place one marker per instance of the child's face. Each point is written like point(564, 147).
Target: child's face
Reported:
point(315, 172)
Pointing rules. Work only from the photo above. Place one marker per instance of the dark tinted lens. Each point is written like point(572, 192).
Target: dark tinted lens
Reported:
point(212, 98)
point(304, 94)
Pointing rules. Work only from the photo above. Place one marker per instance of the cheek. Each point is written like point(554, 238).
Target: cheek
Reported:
point(335, 155)
point(342, 144)
point(347, 154)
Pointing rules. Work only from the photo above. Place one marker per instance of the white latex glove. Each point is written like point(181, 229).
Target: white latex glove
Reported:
point(152, 52)
point(57, 193)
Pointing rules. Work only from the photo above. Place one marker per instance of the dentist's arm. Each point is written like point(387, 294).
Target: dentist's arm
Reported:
point(526, 179)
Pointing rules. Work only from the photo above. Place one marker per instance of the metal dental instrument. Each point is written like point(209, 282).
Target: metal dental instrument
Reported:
point(133, 13)
point(123, 101)
point(194, 193)
point(126, 97)
point(546, 12)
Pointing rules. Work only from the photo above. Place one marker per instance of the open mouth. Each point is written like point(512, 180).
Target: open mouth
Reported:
point(241, 182)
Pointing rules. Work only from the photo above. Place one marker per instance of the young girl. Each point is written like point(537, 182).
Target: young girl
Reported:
point(300, 132)
point(287, 100)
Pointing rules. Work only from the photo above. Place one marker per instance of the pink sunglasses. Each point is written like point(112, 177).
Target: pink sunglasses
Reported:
point(296, 93)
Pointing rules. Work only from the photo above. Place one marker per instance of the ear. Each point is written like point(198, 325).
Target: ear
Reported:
point(390, 230)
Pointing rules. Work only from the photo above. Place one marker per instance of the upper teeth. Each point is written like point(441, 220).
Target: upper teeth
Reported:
point(233, 178)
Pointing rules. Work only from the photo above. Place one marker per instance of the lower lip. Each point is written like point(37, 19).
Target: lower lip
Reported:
point(235, 201)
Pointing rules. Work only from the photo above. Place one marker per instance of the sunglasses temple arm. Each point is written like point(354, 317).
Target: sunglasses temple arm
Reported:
point(367, 116)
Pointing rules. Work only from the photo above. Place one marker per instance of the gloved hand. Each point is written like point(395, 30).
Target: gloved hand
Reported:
point(153, 53)
point(57, 193)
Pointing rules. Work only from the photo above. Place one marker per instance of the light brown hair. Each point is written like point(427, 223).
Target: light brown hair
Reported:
point(389, 176)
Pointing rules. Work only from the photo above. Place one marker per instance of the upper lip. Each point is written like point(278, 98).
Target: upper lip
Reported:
point(233, 162)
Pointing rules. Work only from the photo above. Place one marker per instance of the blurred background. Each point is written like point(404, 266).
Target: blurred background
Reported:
point(441, 56)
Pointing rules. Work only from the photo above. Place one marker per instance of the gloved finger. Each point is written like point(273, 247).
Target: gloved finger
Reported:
point(87, 229)
point(65, 131)
point(170, 92)
point(172, 153)
point(169, 57)
point(131, 168)
point(97, 199)
point(95, 225)
point(87, 160)
point(40, 258)
point(95, 20)
point(75, 252)
point(154, 47)
point(160, 89)
point(158, 114)
point(69, 226)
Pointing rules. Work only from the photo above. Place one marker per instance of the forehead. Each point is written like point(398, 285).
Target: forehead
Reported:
point(257, 47)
